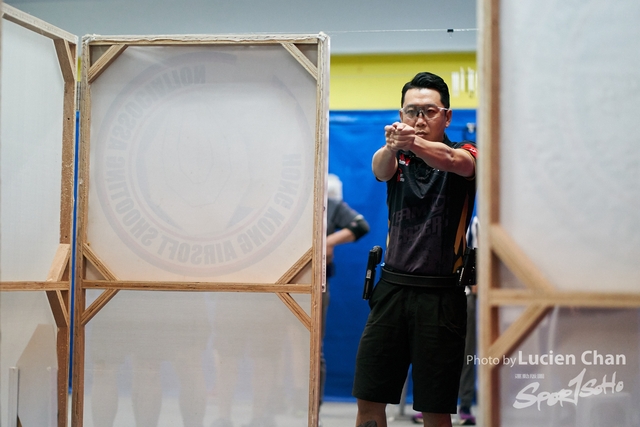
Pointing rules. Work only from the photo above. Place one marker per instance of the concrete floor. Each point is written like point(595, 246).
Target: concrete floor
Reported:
point(343, 414)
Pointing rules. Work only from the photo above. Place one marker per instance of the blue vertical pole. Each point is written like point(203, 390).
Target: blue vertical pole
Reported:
point(73, 244)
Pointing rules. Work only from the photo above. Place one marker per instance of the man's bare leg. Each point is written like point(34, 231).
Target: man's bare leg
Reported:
point(431, 419)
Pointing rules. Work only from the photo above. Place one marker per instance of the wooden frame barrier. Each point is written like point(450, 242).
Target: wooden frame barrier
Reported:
point(496, 246)
point(99, 53)
point(57, 284)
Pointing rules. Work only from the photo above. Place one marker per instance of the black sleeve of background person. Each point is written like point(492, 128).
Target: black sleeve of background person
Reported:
point(346, 217)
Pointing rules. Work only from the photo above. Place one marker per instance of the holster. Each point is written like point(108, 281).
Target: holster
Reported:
point(375, 256)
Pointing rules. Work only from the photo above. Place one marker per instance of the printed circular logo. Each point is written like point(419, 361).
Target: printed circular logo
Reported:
point(203, 163)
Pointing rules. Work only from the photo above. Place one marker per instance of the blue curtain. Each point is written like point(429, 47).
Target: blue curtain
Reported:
point(353, 138)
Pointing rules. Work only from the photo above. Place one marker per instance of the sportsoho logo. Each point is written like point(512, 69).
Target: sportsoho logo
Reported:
point(202, 168)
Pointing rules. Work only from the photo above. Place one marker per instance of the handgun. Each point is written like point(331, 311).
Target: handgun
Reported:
point(375, 256)
point(468, 269)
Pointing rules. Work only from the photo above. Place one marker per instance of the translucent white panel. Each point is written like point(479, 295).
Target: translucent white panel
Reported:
point(20, 315)
point(30, 153)
point(580, 367)
point(570, 167)
point(202, 163)
point(193, 359)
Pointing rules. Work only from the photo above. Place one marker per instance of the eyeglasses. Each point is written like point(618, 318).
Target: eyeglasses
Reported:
point(429, 112)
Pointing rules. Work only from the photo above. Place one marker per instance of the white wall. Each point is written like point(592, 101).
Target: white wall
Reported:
point(355, 26)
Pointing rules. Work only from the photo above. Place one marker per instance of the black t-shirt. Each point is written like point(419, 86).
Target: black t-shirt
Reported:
point(429, 212)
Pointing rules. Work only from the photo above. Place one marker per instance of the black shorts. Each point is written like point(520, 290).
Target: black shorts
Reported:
point(422, 327)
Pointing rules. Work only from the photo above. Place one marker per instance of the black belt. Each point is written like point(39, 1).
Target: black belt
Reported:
point(417, 280)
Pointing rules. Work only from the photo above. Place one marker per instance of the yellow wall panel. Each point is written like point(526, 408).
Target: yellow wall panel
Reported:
point(374, 82)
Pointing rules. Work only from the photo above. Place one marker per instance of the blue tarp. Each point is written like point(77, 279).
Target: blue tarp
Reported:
point(353, 138)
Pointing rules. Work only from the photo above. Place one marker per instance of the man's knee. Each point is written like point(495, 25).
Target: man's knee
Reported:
point(371, 414)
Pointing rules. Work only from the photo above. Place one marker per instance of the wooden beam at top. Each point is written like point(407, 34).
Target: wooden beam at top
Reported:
point(517, 261)
point(201, 39)
point(36, 25)
point(301, 58)
point(101, 64)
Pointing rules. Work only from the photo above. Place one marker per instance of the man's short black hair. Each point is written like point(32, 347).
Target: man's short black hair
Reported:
point(426, 80)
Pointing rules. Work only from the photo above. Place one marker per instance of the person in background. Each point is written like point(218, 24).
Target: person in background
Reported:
point(344, 225)
point(418, 310)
